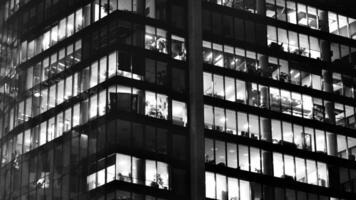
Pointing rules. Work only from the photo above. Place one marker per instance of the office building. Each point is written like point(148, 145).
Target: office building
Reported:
point(177, 99)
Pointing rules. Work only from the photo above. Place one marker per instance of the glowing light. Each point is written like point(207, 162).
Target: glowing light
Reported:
point(223, 119)
point(246, 126)
point(218, 58)
point(148, 37)
point(177, 110)
point(210, 55)
point(70, 28)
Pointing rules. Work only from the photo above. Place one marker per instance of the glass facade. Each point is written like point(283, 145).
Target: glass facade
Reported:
point(102, 99)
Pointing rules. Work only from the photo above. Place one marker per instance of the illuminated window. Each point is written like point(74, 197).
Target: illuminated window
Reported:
point(91, 181)
point(178, 48)
point(156, 39)
point(179, 113)
point(210, 185)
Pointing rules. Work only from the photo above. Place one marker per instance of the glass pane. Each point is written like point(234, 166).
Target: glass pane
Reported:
point(123, 167)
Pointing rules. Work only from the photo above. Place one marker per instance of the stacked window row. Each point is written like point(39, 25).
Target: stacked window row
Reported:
point(81, 18)
point(46, 173)
point(293, 42)
point(282, 132)
point(227, 26)
point(121, 194)
point(150, 8)
point(120, 98)
point(59, 61)
point(295, 13)
point(304, 15)
point(156, 40)
point(279, 100)
point(57, 169)
point(63, 29)
point(298, 13)
point(10, 7)
point(136, 137)
point(67, 57)
point(33, 15)
point(278, 69)
point(47, 97)
point(115, 64)
point(248, 5)
point(304, 45)
point(342, 25)
point(176, 42)
point(342, 54)
point(156, 9)
point(256, 160)
point(222, 187)
point(130, 169)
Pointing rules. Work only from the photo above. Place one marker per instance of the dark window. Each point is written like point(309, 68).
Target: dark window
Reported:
point(123, 133)
point(239, 29)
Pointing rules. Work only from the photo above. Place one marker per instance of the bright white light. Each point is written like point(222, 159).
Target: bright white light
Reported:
point(292, 42)
point(223, 119)
point(177, 110)
point(218, 58)
point(70, 28)
point(209, 56)
point(229, 89)
point(148, 37)
point(246, 126)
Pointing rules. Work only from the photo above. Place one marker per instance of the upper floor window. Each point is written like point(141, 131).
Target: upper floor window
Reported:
point(131, 169)
point(248, 5)
point(293, 42)
point(342, 25)
point(156, 39)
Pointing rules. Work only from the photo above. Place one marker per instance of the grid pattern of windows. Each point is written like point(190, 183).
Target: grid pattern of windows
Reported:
point(238, 59)
point(219, 186)
point(131, 169)
point(251, 159)
point(283, 133)
point(98, 100)
point(277, 99)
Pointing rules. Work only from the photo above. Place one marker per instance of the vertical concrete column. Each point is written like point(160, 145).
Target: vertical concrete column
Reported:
point(84, 80)
point(36, 105)
point(266, 129)
point(329, 107)
point(250, 96)
point(261, 29)
point(332, 144)
point(325, 54)
point(325, 45)
point(139, 29)
point(140, 5)
point(328, 82)
point(323, 21)
point(84, 111)
point(196, 101)
point(261, 7)
point(264, 100)
point(263, 61)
